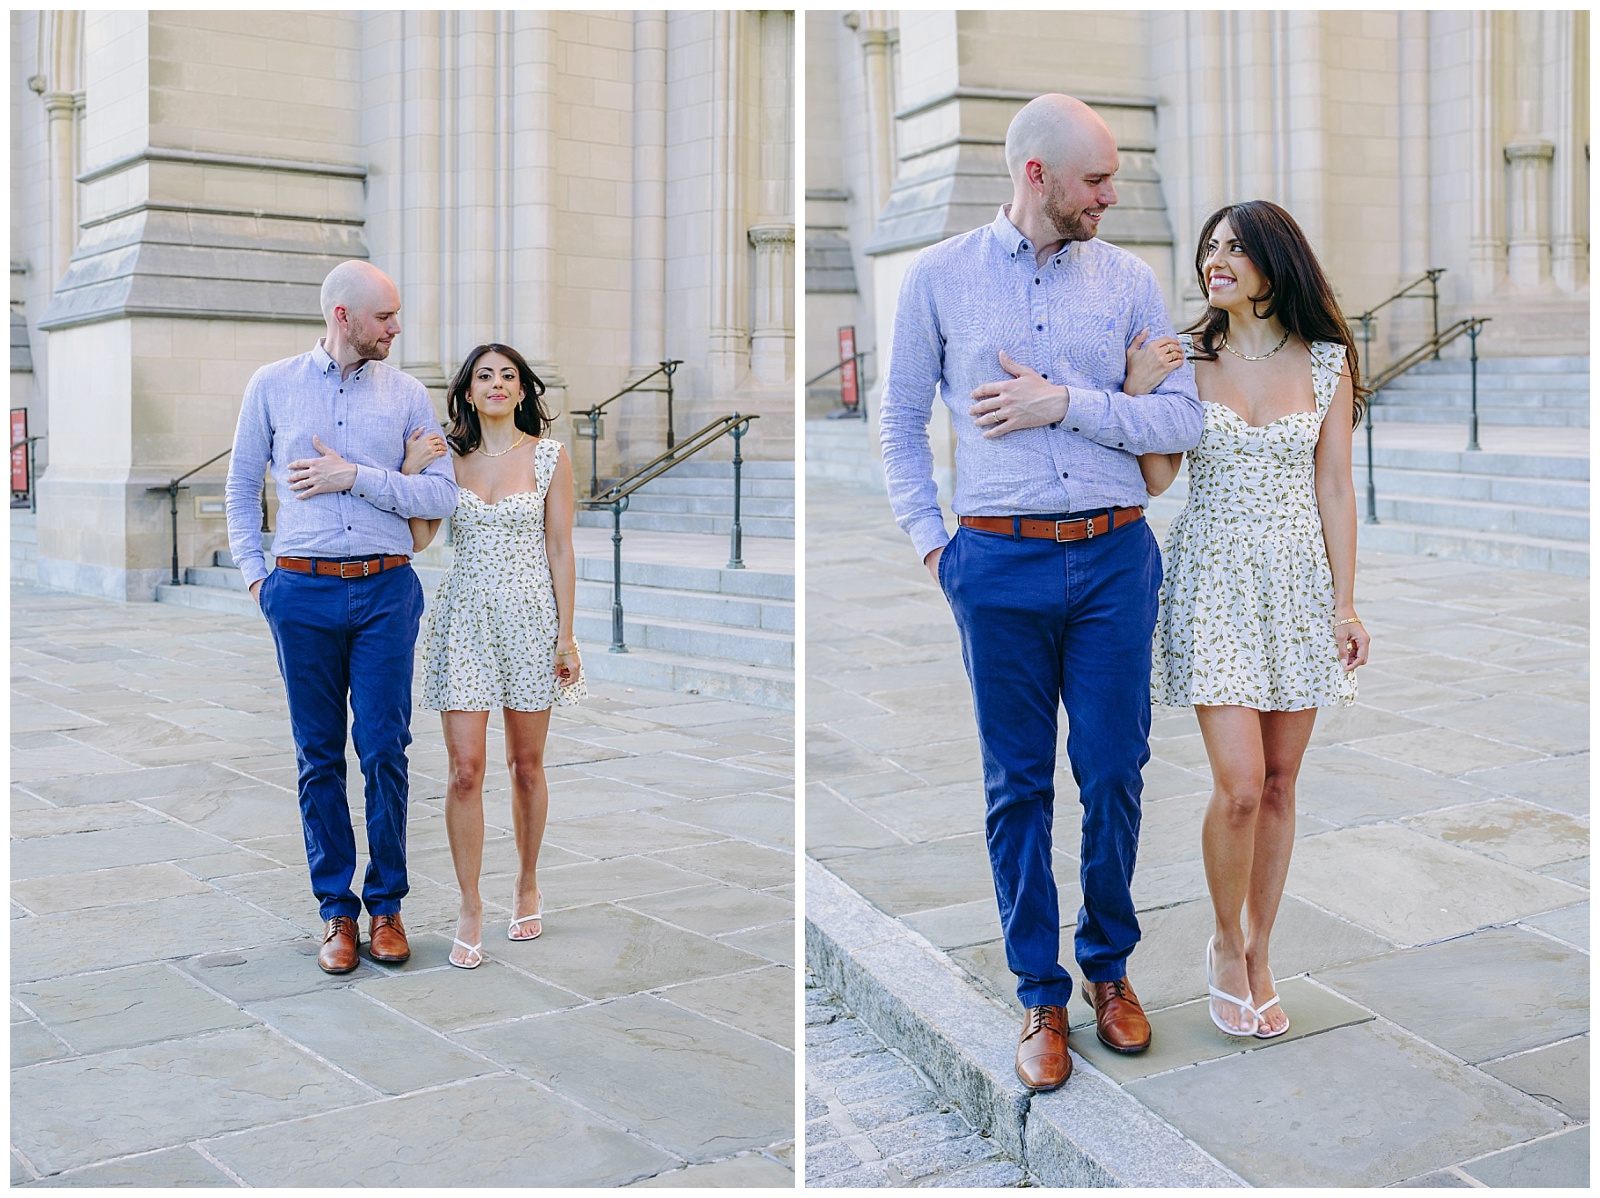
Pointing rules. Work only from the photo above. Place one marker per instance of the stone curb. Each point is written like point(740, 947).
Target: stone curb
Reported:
point(1090, 1133)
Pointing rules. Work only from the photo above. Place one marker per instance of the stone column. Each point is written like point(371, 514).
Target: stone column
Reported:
point(1528, 207)
point(648, 344)
point(1414, 319)
point(1308, 121)
point(531, 318)
point(1566, 80)
point(472, 170)
point(422, 346)
point(772, 339)
point(1488, 242)
point(876, 39)
point(728, 358)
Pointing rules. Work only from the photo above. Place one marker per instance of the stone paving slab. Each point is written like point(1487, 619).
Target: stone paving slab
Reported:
point(639, 1060)
point(170, 1025)
point(1439, 880)
point(1384, 1107)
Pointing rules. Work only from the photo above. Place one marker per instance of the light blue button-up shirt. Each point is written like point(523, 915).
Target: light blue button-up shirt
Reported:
point(366, 419)
point(973, 295)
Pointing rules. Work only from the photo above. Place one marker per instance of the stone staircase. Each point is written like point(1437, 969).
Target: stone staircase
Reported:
point(24, 545)
point(697, 497)
point(1528, 392)
point(690, 623)
point(842, 451)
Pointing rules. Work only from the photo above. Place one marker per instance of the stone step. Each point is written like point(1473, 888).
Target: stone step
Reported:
point(647, 521)
point(1483, 548)
point(720, 487)
point(1453, 397)
point(1486, 461)
point(1388, 413)
point(1459, 363)
point(686, 638)
point(725, 611)
point(1487, 488)
point(1463, 516)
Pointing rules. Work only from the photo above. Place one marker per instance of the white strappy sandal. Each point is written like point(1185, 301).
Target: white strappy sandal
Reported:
point(1242, 1003)
point(538, 915)
point(475, 958)
point(1258, 1012)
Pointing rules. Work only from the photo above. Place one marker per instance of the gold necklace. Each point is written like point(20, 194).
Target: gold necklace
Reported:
point(1260, 358)
point(521, 437)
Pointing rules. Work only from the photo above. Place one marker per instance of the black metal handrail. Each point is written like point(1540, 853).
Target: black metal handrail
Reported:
point(33, 477)
point(839, 365)
point(592, 415)
point(175, 485)
point(615, 499)
point(1431, 278)
point(1469, 327)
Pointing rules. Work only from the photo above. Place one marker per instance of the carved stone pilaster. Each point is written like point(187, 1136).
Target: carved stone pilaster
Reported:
point(1528, 212)
point(772, 340)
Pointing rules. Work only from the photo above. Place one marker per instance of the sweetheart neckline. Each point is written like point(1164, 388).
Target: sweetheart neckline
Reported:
point(1268, 424)
point(497, 502)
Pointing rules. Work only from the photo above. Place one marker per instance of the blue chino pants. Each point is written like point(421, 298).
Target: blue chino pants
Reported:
point(1045, 625)
point(349, 641)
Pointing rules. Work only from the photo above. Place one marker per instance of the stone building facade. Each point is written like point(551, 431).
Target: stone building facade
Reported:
point(602, 190)
point(1401, 141)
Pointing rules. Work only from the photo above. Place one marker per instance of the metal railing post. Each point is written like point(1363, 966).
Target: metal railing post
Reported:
point(618, 645)
point(172, 488)
point(1472, 437)
point(736, 547)
point(1372, 487)
point(1433, 279)
point(670, 365)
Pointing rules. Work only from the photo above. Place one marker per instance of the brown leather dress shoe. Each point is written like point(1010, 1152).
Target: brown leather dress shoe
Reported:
point(341, 945)
point(388, 942)
point(1119, 1020)
point(1043, 1062)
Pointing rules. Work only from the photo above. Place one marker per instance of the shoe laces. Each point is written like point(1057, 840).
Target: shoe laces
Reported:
point(1042, 1019)
point(1120, 989)
point(340, 925)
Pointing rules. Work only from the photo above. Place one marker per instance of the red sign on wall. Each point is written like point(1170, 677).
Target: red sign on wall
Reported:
point(847, 367)
point(19, 451)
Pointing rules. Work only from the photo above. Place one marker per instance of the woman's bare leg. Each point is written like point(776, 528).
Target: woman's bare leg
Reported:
point(1232, 737)
point(530, 806)
point(1284, 735)
point(464, 741)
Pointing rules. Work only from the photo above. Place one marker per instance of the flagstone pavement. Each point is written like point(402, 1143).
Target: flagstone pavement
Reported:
point(1433, 942)
point(169, 1025)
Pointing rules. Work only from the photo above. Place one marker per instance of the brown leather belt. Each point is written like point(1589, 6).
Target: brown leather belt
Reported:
point(360, 568)
point(1082, 529)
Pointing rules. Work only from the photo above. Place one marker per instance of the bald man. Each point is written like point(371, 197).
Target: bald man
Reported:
point(1021, 328)
point(343, 602)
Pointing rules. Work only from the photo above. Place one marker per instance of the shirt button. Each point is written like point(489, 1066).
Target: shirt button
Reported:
point(1074, 430)
point(1036, 282)
point(347, 528)
point(1044, 376)
point(1119, 444)
point(1063, 474)
point(1055, 424)
point(1040, 327)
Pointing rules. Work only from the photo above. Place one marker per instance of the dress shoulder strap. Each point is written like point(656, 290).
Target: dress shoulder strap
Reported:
point(545, 456)
point(1327, 364)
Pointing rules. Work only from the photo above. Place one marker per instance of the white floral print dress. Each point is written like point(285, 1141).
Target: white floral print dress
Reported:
point(491, 634)
point(1246, 611)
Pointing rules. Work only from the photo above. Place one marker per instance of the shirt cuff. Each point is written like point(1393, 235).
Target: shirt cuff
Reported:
point(1087, 412)
point(254, 570)
point(927, 535)
point(370, 481)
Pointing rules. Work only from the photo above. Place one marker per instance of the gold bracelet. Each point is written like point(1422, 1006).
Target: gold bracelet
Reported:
point(572, 652)
point(1351, 620)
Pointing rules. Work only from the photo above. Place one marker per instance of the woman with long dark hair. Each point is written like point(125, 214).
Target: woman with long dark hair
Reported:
point(499, 631)
point(1257, 625)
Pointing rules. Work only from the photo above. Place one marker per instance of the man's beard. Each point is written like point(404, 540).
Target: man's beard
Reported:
point(372, 351)
point(1068, 226)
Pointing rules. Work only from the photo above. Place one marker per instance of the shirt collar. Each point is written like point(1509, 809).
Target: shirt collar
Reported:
point(1013, 242)
point(324, 361)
